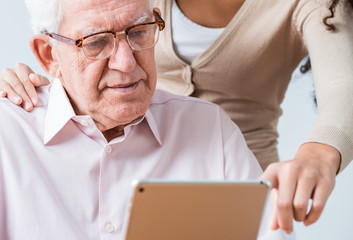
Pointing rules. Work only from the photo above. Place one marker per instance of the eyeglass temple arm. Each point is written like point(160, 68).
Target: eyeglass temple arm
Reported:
point(62, 38)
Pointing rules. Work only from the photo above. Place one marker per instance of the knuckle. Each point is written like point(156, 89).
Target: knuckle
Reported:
point(17, 85)
point(268, 172)
point(284, 205)
point(29, 91)
point(298, 167)
point(271, 166)
point(5, 72)
point(312, 174)
point(318, 207)
point(25, 80)
point(290, 170)
point(19, 66)
point(277, 167)
point(298, 218)
point(326, 183)
point(300, 206)
point(13, 97)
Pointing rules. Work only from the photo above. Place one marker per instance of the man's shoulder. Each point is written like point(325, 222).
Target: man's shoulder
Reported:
point(191, 116)
point(42, 93)
point(191, 110)
point(11, 113)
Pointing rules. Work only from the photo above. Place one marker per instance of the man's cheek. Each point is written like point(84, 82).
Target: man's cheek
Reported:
point(81, 62)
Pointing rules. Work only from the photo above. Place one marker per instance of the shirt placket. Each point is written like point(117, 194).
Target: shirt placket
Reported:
point(111, 191)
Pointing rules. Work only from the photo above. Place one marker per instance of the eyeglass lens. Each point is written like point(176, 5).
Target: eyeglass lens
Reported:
point(102, 45)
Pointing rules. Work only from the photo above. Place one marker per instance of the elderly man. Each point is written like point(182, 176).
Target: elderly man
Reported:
point(101, 124)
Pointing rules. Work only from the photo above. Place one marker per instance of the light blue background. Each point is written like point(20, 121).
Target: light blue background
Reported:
point(297, 120)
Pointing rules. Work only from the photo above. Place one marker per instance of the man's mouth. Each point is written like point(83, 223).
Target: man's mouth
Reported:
point(126, 88)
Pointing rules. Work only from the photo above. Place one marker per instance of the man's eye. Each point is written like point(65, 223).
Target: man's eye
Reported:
point(95, 43)
point(137, 33)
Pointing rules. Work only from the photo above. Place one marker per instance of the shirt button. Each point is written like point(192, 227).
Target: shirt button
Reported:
point(108, 149)
point(109, 228)
point(84, 123)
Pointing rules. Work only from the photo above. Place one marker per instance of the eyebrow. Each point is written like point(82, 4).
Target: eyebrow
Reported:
point(139, 20)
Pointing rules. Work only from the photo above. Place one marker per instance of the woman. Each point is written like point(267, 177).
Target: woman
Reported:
point(241, 54)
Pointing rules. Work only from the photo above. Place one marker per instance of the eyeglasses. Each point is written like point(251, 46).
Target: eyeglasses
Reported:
point(101, 45)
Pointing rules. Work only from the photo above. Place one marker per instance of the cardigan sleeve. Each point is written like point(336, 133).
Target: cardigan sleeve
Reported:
point(331, 55)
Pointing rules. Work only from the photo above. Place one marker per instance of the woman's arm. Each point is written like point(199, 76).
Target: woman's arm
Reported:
point(328, 148)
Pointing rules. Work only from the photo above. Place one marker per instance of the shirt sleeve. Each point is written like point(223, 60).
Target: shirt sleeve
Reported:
point(331, 55)
point(239, 162)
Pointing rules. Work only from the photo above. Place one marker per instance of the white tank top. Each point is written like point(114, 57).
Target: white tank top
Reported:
point(190, 39)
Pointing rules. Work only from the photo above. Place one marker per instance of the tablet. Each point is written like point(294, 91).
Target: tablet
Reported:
point(180, 210)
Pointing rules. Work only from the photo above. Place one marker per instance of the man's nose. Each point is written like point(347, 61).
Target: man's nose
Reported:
point(123, 58)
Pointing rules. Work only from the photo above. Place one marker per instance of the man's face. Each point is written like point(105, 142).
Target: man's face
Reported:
point(116, 90)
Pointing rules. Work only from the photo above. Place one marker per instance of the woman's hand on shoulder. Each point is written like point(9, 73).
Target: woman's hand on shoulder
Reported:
point(18, 85)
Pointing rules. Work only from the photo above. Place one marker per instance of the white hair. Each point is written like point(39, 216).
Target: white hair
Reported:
point(45, 14)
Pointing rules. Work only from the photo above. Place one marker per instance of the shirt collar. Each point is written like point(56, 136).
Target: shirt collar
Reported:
point(60, 112)
point(153, 125)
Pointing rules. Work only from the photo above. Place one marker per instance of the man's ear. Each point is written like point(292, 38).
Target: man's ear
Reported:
point(42, 49)
point(158, 11)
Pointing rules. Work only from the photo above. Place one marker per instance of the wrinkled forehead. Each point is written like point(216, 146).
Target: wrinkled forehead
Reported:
point(82, 16)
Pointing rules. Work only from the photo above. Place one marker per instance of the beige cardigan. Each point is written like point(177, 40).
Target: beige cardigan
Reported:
point(247, 70)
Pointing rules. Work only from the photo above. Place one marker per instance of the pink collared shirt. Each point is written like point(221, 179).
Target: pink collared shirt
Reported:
point(60, 178)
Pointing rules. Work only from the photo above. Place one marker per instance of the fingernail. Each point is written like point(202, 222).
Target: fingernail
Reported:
point(27, 105)
point(17, 100)
point(34, 100)
point(32, 78)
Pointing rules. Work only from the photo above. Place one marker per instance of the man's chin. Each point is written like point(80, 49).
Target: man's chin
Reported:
point(122, 114)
